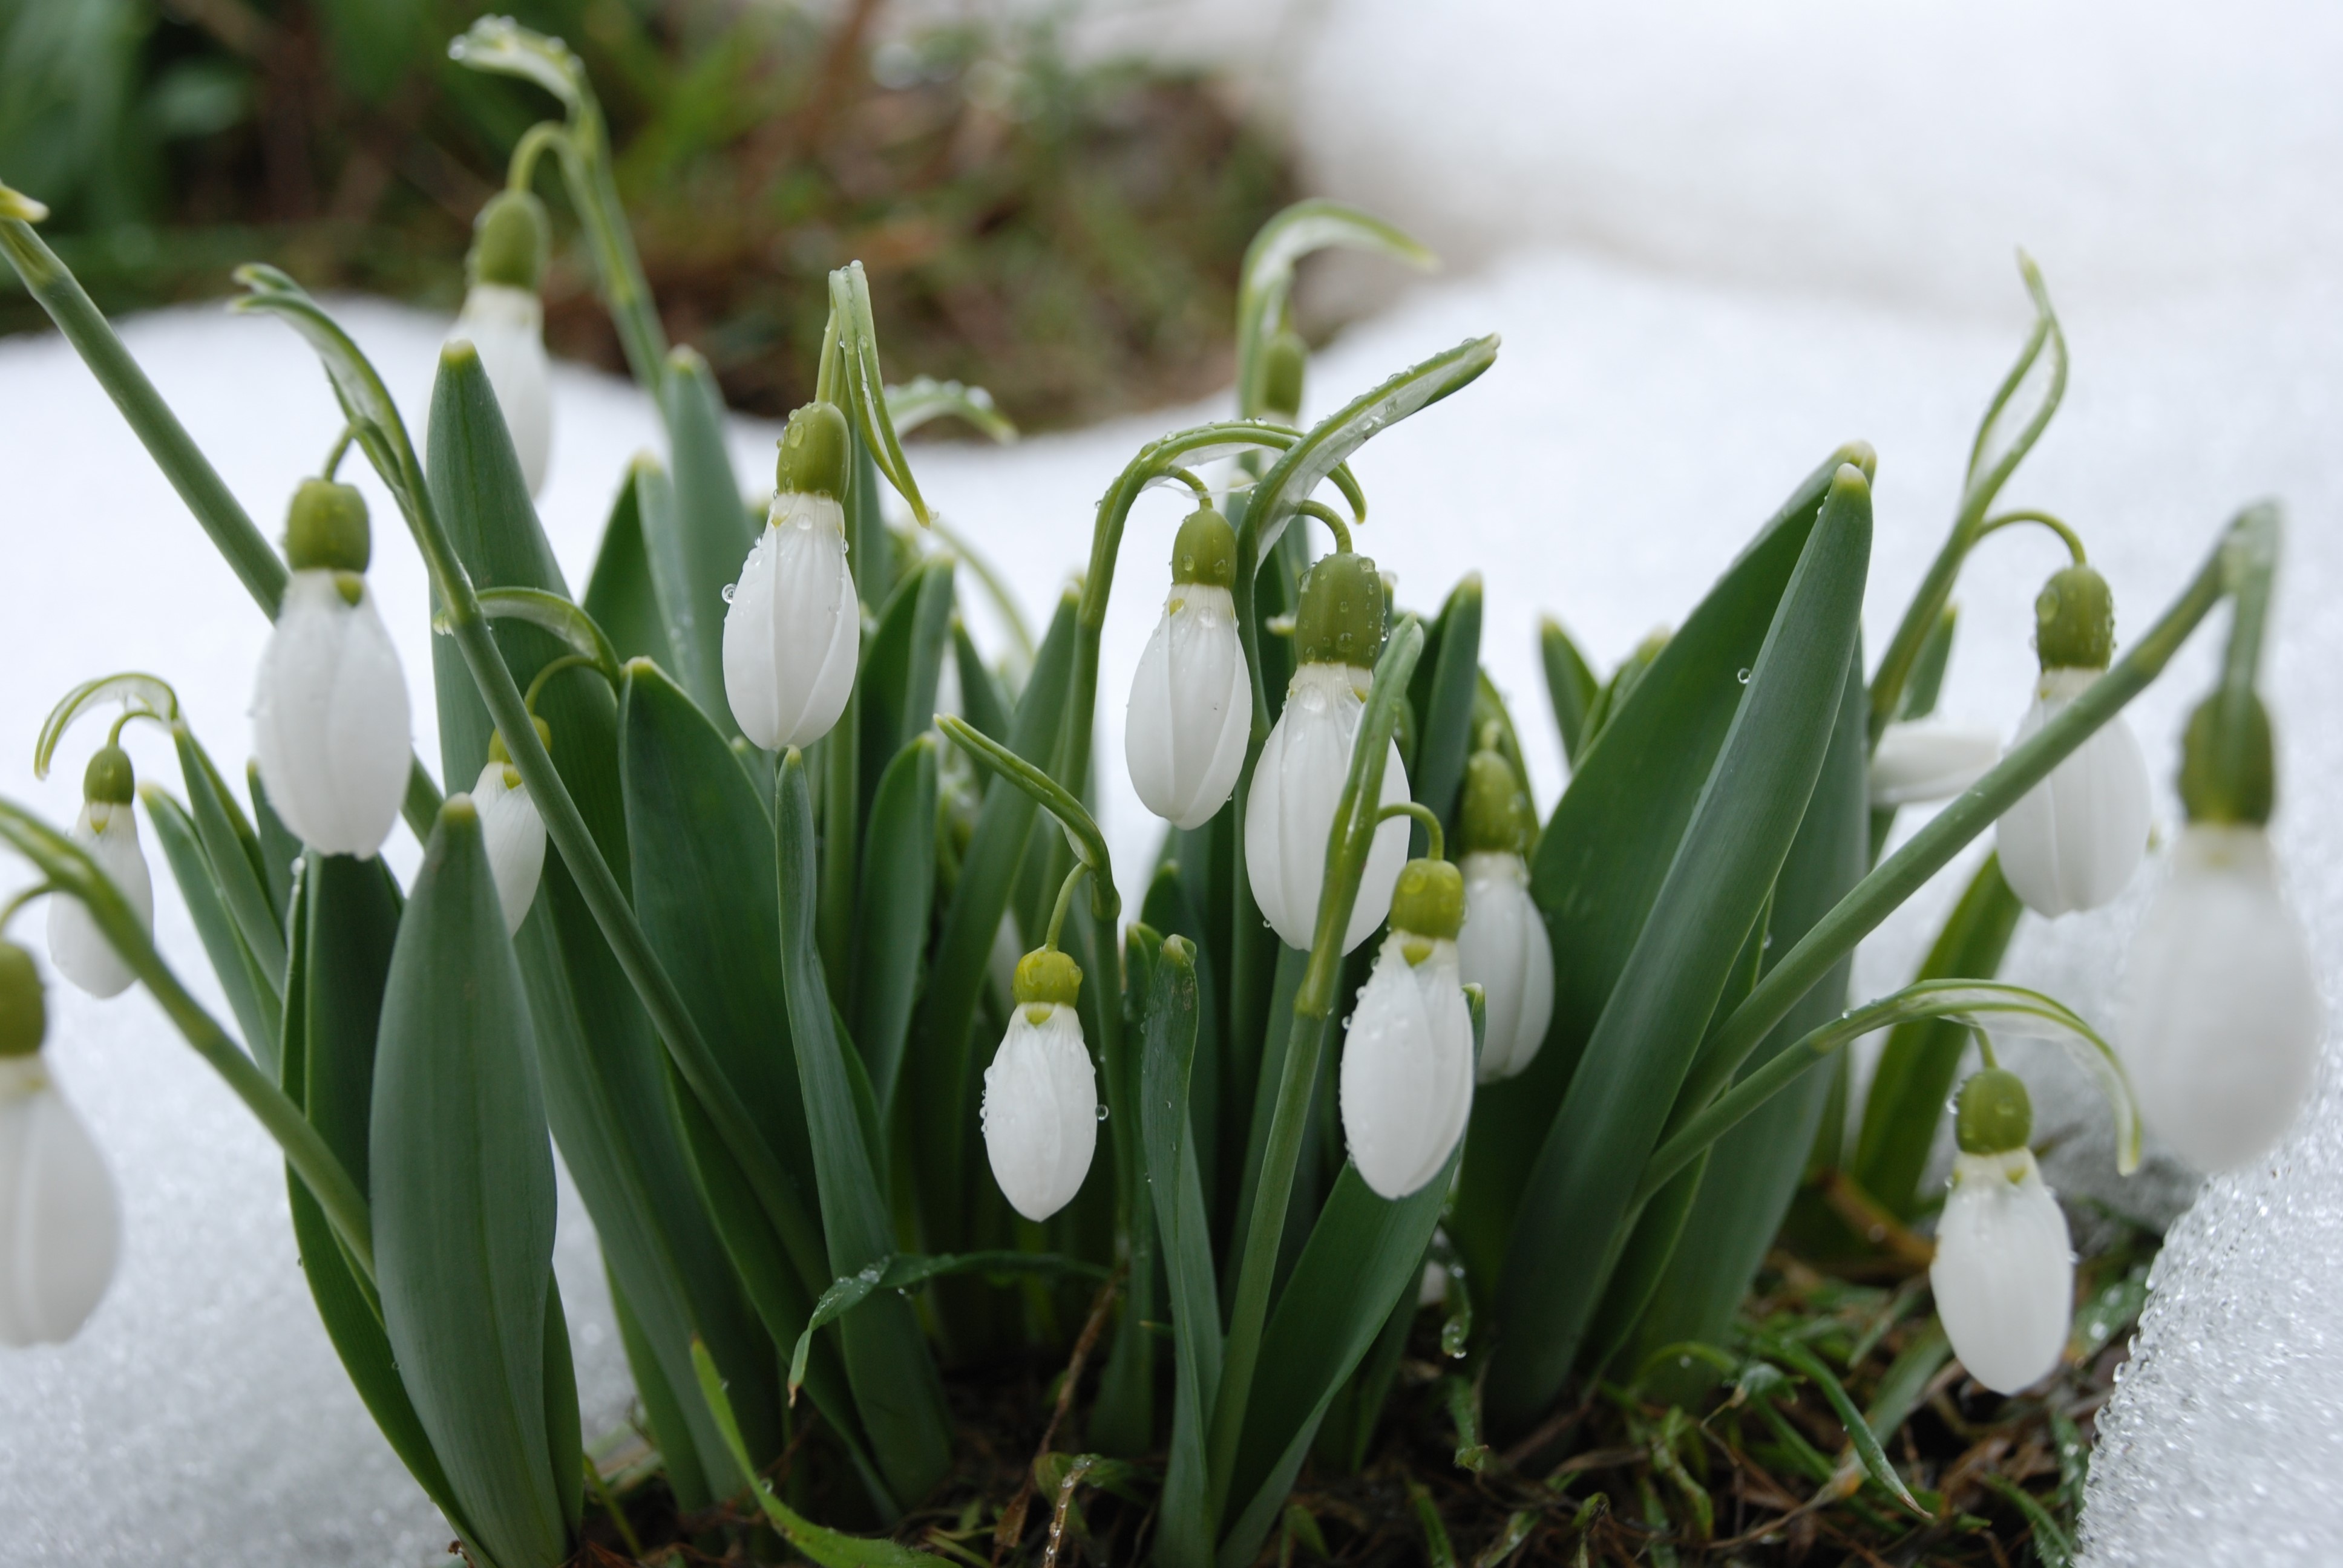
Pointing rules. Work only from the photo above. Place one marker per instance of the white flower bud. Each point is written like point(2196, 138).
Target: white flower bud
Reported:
point(2004, 1274)
point(109, 831)
point(1927, 760)
point(514, 833)
point(1407, 1065)
point(506, 326)
point(329, 716)
point(1503, 949)
point(1296, 785)
point(1041, 1108)
point(2073, 840)
point(60, 1230)
point(794, 628)
point(2221, 1016)
point(1190, 708)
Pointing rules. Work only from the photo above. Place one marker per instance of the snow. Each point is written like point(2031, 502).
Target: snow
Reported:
point(1719, 240)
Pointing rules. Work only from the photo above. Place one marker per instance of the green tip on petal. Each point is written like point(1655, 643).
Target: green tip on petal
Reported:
point(24, 1005)
point(1993, 1114)
point(2075, 620)
point(1046, 975)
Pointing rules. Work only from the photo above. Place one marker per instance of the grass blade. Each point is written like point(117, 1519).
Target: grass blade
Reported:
point(1858, 1431)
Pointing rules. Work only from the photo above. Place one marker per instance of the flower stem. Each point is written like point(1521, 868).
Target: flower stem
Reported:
point(1334, 521)
point(2073, 541)
point(1436, 846)
point(1065, 901)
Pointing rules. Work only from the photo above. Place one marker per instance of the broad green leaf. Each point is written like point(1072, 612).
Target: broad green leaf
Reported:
point(1570, 685)
point(980, 699)
point(898, 895)
point(622, 595)
point(825, 1546)
point(886, 1359)
point(712, 534)
point(662, 1411)
point(1599, 863)
point(1168, 1053)
point(348, 928)
point(257, 1012)
point(1445, 684)
point(563, 1437)
point(1753, 1171)
point(1914, 1080)
point(1267, 276)
point(462, 1188)
point(280, 847)
point(901, 666)
point(1575, 1200)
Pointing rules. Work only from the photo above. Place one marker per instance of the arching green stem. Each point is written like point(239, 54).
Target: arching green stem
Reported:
point(2073, 541)
point(555, 666)
point(1436, 843)
point(341, 449)
point(1334, 521)
point(1065, 901)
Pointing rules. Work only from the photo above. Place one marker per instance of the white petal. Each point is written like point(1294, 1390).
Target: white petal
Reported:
point(1040, 1110)
point(331, 720)
point(1928, 759)
point(1406, 1086)
point(2004, 1274)
point(793, 631)
point(1296, 785)
point(60, 1229)
point(1503, 949)
point(2221, 1019)
point(515, 834)
point(506, 324)
point(80, 950)
point(1191, 709)
point(2073, 840)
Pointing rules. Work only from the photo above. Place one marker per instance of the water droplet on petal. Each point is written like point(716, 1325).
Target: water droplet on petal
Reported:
point(729, 590)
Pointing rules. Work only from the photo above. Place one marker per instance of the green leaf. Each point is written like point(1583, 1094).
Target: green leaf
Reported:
point(980, 699)
point(500, 45)
point(1570, 685)
point(662, 1411)
point(1576, 1200)
point(1267, 276)
point(462, 1180)
point(926, 399)
point(904, 1271)
point(1598, 865)
point(258, 1012)
point(897, 895)
point(280, 847)
point(886, 1357)
point(710, 534)
point(1914, 1080)
point(1081, 828)
point(866, 393)
point(1168, 1053)
point(827, 1547)
point(137, 693)
point(1443, 690)
point(1858, 1431)
point(622, 593)
point(554, 613)
point(903, 664)
point(233, 849)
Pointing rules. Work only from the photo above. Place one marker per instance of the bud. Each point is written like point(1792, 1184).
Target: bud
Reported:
point(1503, 949)
point(1283, 359)
point(2074, 840)
point(2004, 1274)
point(1407, 1061)
point(1191, 712)
point(60, 1229)
point(107, 830)
point(1297, 783)
point(329, 710)
point(793, 629)
point(503, 319)
point(1040, 1106)
point(514, 833)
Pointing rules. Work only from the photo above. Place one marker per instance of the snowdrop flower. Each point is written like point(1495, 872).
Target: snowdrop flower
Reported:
point(2073, 840)
point(1407, 1063)
point(2004, 1275)
point(60, 1229)
point(329, 714)
point(1192, 701)
point(108, 830)
point(504, 318)
point(1924, 760)
point(2221, 1017)
point(512, 828)
point(1041, 1107)
point(1503, 947)
point(794, 628)
point(1297, 782)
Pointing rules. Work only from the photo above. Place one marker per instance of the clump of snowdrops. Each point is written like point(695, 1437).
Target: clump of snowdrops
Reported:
point(824, 989)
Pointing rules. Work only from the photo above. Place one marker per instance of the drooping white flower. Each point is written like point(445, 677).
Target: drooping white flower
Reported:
point(1041, 1105)
point(793, 629)
point(506, 326)
point(2221, 1016)
point(2073, 840)
point(1296, 785)
point(329, 715)
point(2004, 1274)
point(1407, 1063)
point(1191, 709)
point(1924, 760)
point(514, 832)
point(60, 1229)
point(1504, 951)
point(107, 828)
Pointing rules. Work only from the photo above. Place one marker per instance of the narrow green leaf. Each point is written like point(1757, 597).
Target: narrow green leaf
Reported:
point(622, 594)
point(711, 536)
point(886, 1357)
point(2050, 1542)
point(897, 895)
point(137, 693)
point(1570, 685)
point(1167, 1065)
point(1722, 872)
point(866, 392)
point(1858, 1431)
point(233, 850)
point(904, 1271)
point(925, 398)
point(280, 847)
point(1914, 1080)
point(462, 1180)
point(554, 613)
point(980, 701)
point(257, 1012)
point(825, 1546)
point(1082, 829)
point(1443, 692)
point(1267, 275)
point(903, 665)
point(662, 1411)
